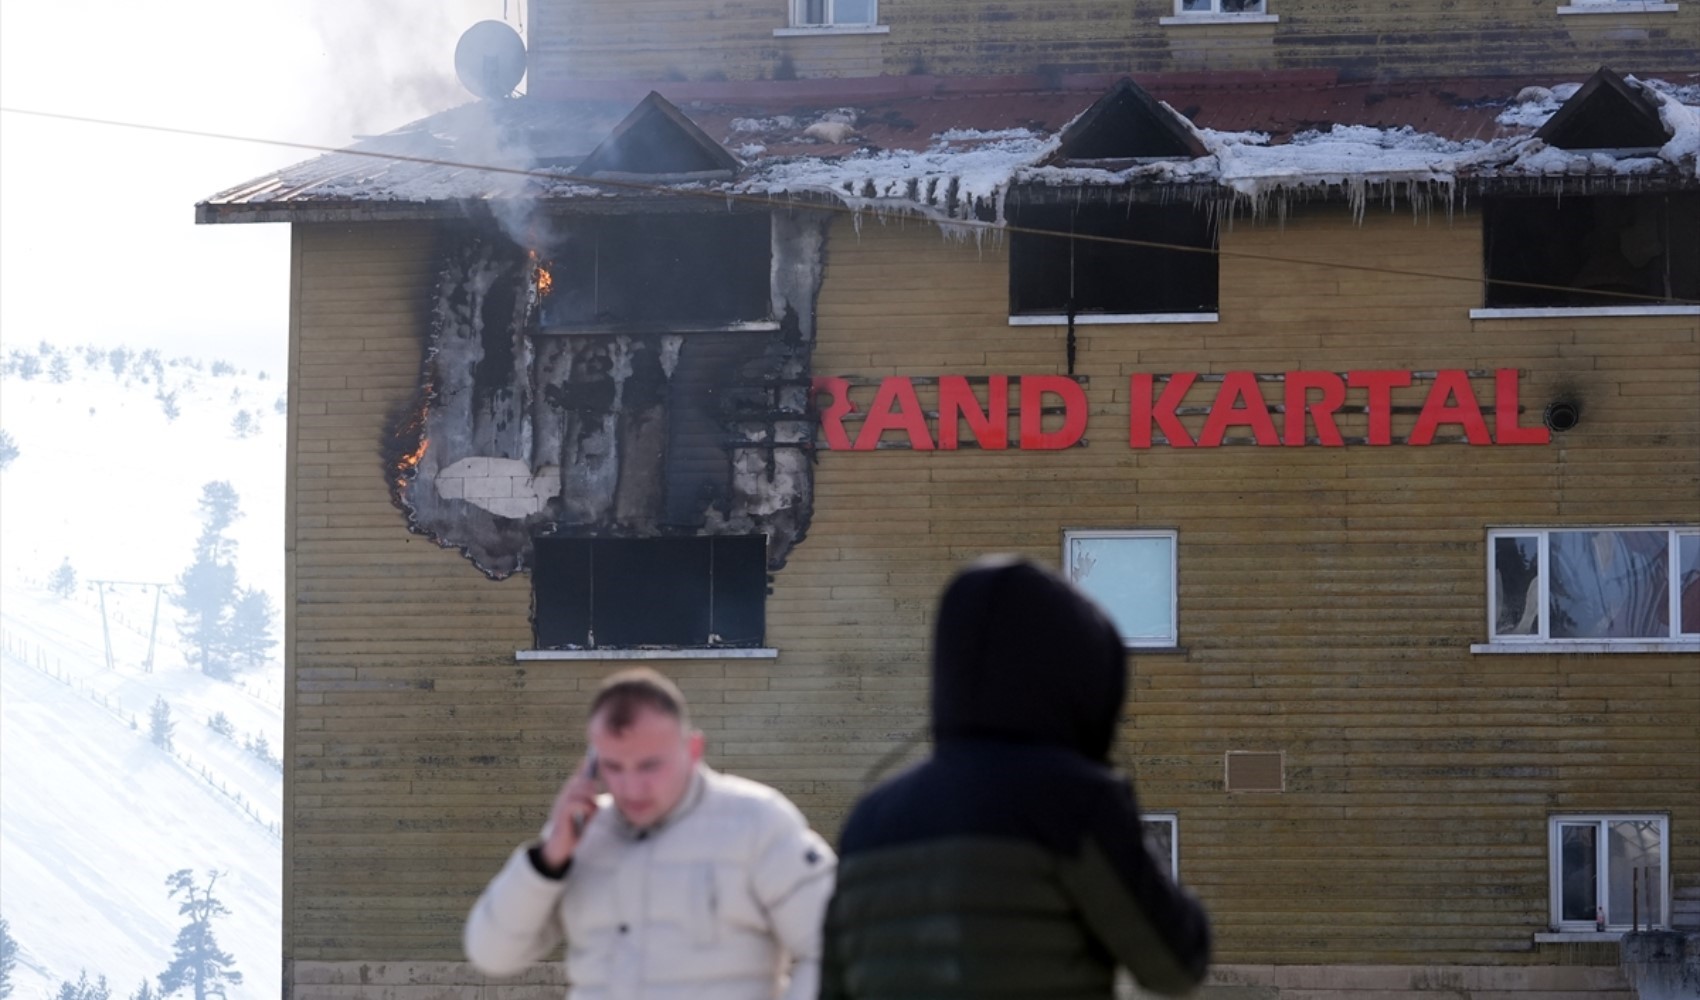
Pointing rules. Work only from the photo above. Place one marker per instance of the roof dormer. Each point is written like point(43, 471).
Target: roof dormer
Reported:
point(1608, 112)
point(1126, 126)
point(658, 141)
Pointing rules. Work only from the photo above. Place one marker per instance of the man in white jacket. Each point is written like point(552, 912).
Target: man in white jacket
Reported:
point(695, 884)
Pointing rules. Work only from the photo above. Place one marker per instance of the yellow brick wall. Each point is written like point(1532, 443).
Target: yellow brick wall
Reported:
point(1327, 601)
point(1328, 597)
point(734, 39)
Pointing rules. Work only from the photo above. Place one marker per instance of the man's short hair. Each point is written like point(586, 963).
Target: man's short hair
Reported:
point(622, 694)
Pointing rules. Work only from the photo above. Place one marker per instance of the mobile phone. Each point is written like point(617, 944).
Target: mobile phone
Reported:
point(591, 769)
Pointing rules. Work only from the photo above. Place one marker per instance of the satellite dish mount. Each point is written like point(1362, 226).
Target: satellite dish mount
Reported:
point(490, 59)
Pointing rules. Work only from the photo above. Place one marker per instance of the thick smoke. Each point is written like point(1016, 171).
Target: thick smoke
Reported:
point(390, 62)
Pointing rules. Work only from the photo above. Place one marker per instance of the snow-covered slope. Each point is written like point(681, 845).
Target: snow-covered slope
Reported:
point(94, 816)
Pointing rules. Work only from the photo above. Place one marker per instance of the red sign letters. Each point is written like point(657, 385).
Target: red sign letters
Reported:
point(1310, 401)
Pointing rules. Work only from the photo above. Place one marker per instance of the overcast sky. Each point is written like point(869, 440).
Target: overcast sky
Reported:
point(97, 234)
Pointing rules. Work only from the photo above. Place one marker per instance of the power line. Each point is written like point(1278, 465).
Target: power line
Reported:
point(769, 201)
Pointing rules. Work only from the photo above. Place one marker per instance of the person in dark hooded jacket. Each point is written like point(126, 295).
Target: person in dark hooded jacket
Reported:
point(1012, 863)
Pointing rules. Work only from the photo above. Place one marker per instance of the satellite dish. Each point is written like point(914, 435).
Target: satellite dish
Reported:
point(490, 59)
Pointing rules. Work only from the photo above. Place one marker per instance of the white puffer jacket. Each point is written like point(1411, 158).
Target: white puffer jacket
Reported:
point(723, 900)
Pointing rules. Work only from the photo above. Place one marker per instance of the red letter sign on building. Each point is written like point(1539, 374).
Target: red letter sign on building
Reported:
point(1224, 413)
point(1141, 412)
point(1238, 402)
point(1299, 404)
point(1033, 390)
point(1450, 384)
point(832, 416)
point(1505, 429)
point(897, 392)
point(990, 427)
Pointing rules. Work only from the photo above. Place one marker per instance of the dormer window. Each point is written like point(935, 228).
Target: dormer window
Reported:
point(834, 13)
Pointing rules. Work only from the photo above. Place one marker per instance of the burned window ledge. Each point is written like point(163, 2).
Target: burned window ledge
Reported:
point(691, 653)
point(1549, 312)
point(1109, 319)
point(1577, 937)
point(1617, 7)
point(661, 328)
point(1190, 19)
point(1547, 646)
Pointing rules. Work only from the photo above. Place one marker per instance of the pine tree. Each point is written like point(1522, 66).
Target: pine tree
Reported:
point(250, 629)
point(8, 449)
point(63, 582)
point(262, 749)
point(144, 992)
point(199, 964)
point(219, 506)
point(206, 590)
point(82, 989)
point(8, 958)
point(160, 726)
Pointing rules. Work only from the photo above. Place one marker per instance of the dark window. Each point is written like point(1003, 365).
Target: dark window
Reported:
point(707, 270)
point(608, 593)
point(1597, 250)
point(1070, 260)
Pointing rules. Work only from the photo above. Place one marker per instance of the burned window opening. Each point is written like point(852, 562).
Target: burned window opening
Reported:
point(643, 272)
point(517, 428)
point(1600, 250)
point(493, 372)
point(1062, 263)
point(612, 593)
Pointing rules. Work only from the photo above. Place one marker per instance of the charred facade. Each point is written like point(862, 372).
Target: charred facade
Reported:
point(632, 378)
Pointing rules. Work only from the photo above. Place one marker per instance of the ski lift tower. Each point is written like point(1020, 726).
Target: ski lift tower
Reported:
point(106, 629)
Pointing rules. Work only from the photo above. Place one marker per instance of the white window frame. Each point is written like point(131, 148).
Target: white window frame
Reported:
point(1614, 7)
point(801, 26)
point(1215, 15)
point(1676, 641)
point(1172, 639)
point(1602, 868)
point(1173, 822)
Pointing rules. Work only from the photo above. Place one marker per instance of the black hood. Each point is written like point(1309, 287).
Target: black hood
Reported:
point(1021, 655)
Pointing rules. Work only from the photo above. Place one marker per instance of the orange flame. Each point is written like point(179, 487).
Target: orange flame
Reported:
point(405, 466)
point(407, 463)
point(544, 280)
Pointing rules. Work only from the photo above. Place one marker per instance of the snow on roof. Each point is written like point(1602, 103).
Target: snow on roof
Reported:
point(956, 158)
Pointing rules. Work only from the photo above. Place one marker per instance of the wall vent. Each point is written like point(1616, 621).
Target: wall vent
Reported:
point(1255, 771)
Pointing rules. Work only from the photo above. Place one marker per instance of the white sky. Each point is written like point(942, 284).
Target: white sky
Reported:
point(97, 236)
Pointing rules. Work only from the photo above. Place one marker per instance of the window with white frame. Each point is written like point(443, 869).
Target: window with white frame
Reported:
point(834, 13)
point(1131, 574)
point(1183, 7)
point(1594, 585)
point(1162, 839)
point(1603, 6)
point(1610, 871)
